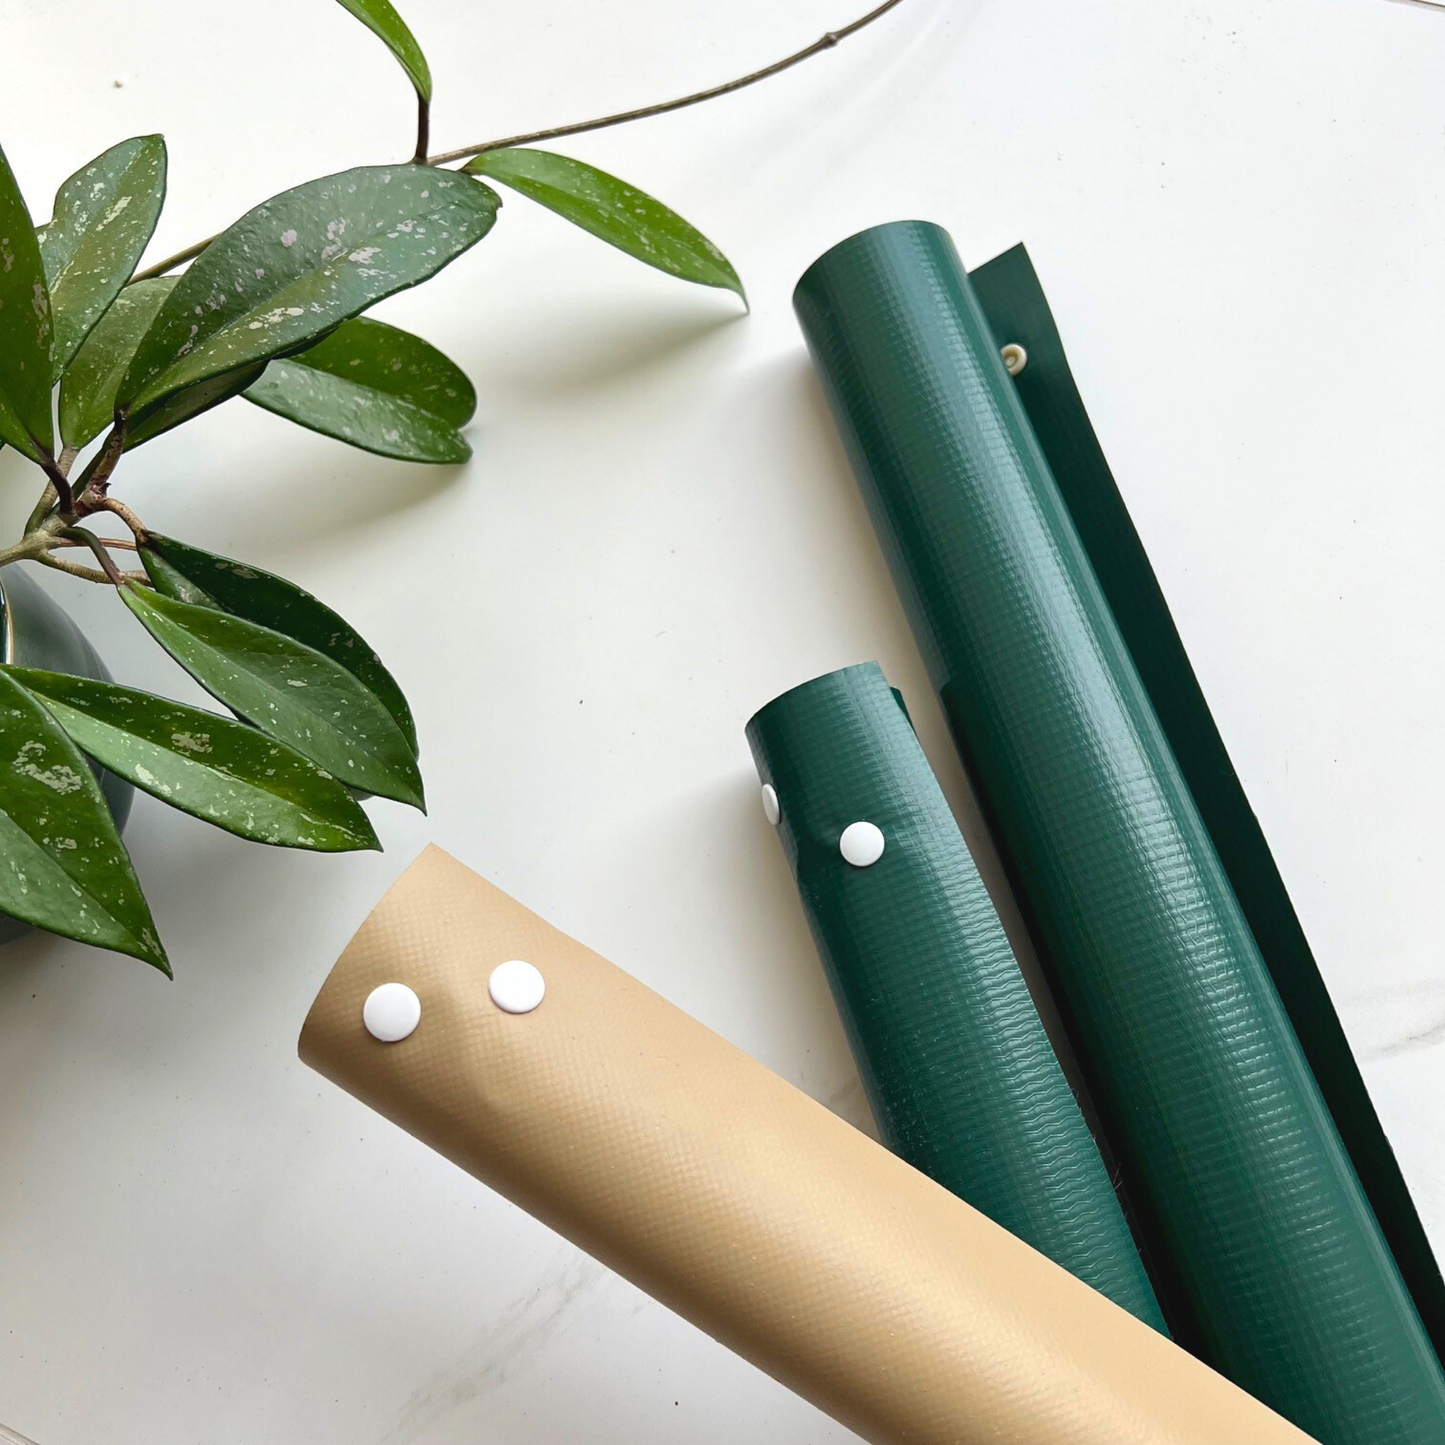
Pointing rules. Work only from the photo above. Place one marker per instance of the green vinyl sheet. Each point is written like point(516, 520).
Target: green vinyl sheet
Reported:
point(1271, 1260)
point(1013, 301)
point(953, 1055)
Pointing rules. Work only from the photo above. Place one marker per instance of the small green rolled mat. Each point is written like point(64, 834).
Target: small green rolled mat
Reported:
point(962, 1078)
point(1287, 1250)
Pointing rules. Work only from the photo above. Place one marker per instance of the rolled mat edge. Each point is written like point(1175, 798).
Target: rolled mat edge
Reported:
point(957, 1065)
point(1013, 300)
point(739, 1202)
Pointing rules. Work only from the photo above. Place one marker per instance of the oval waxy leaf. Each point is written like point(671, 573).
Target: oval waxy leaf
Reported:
point(181, 406)
point(288, 690)
point(170, 582)
point(300, 264)
point(87, 391)
point(376, 387)
point(104, 215)
point(612, 210)
point(62, 864)
point(190, 574)
point(215, 768)
point(26, 348)
point(380, 17)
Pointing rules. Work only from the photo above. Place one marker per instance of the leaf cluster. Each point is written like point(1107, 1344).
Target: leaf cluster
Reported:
point(98, 357)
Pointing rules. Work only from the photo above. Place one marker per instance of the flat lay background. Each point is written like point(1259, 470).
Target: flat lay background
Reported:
point(1238, 211)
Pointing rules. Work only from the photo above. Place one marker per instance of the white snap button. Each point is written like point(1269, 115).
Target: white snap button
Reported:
point(861, 844)
point(516, 987)
point(391, 1012)
point(771, 809)
point(1015, 358)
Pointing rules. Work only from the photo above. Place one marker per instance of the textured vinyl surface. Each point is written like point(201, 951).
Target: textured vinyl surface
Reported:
point(960, 1073)
point(1016, 308)
point(1245, 1191)
point(738, 1201)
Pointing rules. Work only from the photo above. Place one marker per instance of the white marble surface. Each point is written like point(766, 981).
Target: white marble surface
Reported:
point(1238, 208)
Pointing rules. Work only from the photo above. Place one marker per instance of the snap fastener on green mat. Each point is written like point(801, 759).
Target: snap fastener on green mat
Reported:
point(955, 1060)
point(1272, 1261)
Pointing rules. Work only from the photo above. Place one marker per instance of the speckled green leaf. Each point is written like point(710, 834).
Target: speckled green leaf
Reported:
point(25, 332)
point(380, 17)
point(376, 387)
point(170, 581)
point(190, 574)
point(87, 391)
point(220, 770)
point(609, 208)
point(288, 690)
point(62, 864)
point(182, 405)
point(300, 264)
point(104, 215)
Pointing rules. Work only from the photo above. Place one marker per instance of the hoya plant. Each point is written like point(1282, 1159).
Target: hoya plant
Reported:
point(98, 357)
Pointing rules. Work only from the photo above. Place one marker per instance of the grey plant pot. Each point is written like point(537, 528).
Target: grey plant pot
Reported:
point(36, 632)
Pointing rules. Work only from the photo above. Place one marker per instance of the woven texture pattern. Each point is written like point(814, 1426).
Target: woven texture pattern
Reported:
point(960, 1073)
point(1245, 1191)
point(741, 1203)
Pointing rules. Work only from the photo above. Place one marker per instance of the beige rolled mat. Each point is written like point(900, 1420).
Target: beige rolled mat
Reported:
point(738, 1201)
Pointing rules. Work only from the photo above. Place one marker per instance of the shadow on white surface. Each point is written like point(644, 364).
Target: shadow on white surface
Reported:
point(610, 345)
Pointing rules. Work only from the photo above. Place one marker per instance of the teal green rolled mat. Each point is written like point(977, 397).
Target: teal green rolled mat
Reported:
point(959, 1071)
point(1119, 821)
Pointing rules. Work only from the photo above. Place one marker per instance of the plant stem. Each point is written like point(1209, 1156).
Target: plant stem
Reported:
point(87, 574)
point(73, 569)
point(124, 543)
point(33, 544)
point(824, 42)
point(423, 129)
point(60, 484)
point(49, 528)
point(171, 262)
point(50, 496)
point(107, 563)
point(42, 508)
point(90, 491)
point(109, 504)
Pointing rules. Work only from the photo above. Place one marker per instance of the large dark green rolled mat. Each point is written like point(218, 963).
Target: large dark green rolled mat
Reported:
point(1120, 821)
point(958, 1068)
